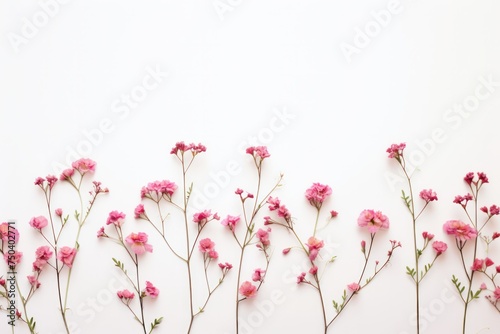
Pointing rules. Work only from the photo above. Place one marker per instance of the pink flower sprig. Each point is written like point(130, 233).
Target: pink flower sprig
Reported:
point(471, 232)
point(135, 245)
point(244, 231)
point(51, 231)
point(396, 152)
point(163, 194)
point(486, 266)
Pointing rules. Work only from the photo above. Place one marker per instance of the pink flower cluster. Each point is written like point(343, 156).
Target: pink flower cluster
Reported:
point(481, 265)
point(317, 194)
point(314, 246)
point(159, 188)
point(373, 220)
point(428, 195)
point(181, 148)
point(204, 217)
point(139, 243)
point(42, 256)
point(230, 222)
point(207, 247)
point(5, 230)
point(460, 230)
point(263, 236)
point(258, 151)
point(396, 151)
point(116, 218)
point(275, 204)
point(150, 290)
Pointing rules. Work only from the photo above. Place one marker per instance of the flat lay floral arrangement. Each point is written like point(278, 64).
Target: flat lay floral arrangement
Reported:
point(126, 233)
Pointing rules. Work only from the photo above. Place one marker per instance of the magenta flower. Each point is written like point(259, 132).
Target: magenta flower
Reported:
point(66, 255)
point(206, 245)
point(317, 194)
point(84, 165)
point(38, 222)
point(460, 230)
point(314, 246)
point(353, 287)
point(138, 243)
point(440, 247)
point(258, 151)
point(373, 220)
point(428, 195)
point(116, 218)
point(258, 275)
point(396, 150)
point(151, 290)
point(248, 290)
point(230, 221)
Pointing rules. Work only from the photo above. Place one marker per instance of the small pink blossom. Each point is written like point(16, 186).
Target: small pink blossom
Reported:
point(317, 194)
point(38, 222)
point(286, 250)
point(212, 254)
point(225, 266)
point(353, 287)
point(496, 293)
point(333, 214)
point(67, 174)
point(284, 213)
point(101, 233)
point(139, 212)
point(66, 255)
point(477, 265)
point(39, 181)
point(43, 253)
point(314, 246)
point(301, 278)
point(258, 151)
point(440, 247)
point(59, 212)
point(313, 270)
point(248, 290)
point(33, 281)
point(138, 243)
point(2, 282)
point(84, 165)
point(8, 231)
point(396, 151)
point(274, 203)
point(125, 295)
point(263, 236)
point(230, 221)
point(483, 286)
point(204, 217)
point(460, 230)
point(151, 290)
point(182, 148)
point(160, 188)
point(116, 218)
point(13, 259)
point(497, 268)
point(428, 236)
point(258, 275)
point(206, 245)
point(373, 220)
point(495, 235)
point(428, 195)
point(488, 262)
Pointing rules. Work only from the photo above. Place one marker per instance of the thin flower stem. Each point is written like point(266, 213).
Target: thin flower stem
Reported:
point(141, 302)
point(316, 223)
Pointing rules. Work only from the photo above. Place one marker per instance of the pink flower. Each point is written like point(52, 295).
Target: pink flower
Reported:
point(101, 233)
point(495, 235)
point(396, 151)
point(496, 293)
point(151, 290)
point(33, 281)
point(43, 253)
point(66, 255)
point(258, 151)
point(482, 177)
point(206, 245)
point(213, 254)
point(67, 174)
point(286, 251)
point(8, 231)
point(477, 265)
point(2, 282)
point(59, 212)
point(225, 266)
point(427, 236)
point(428, 195)
point(353, 287)
point(483, 286)
point(284, 213)
point(38, 222)
point(116, 218)
point(274, 203)
point(139, 212)
point(84, 165)
point(497, 268)
point(182, 147)
point(488, 262)
point(313, 270)
point(248, 290)
point(125, 295)
point(263, 236)
point(138, 243)
point(373, 220)
point(258, 275)
point(230, 221)
point(238, 191)
point(13, 259)
point(51, 180)
point(314, 246)
point(317, 194)
point(39, 181)
point(301, 278)
point(204, 217)
point(160, 188)
point(333, 213)
point(494, 210)
point(440, 247)
point(460, 230)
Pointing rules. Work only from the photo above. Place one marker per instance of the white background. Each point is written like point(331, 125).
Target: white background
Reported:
point(229, 74)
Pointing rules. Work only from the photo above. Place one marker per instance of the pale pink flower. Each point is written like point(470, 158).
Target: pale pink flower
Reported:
point(116, 218)
point(66, 255)
point(353, 287)
point(284, 213)
point(460, 230)
point(483, 286)
point(38, 222)
point(84, 165)
point(59, 212)
point(67, 174)
point(440, 247)
point(248, 290)
point(151, 290)
point(317, 194)
point(138, 243)
point(373, 220)
point(33, 281)
point(230, 221)
point(206, 245)
point(428, 195)
point(314, 246)
point(13, 259)
point(258, 275)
